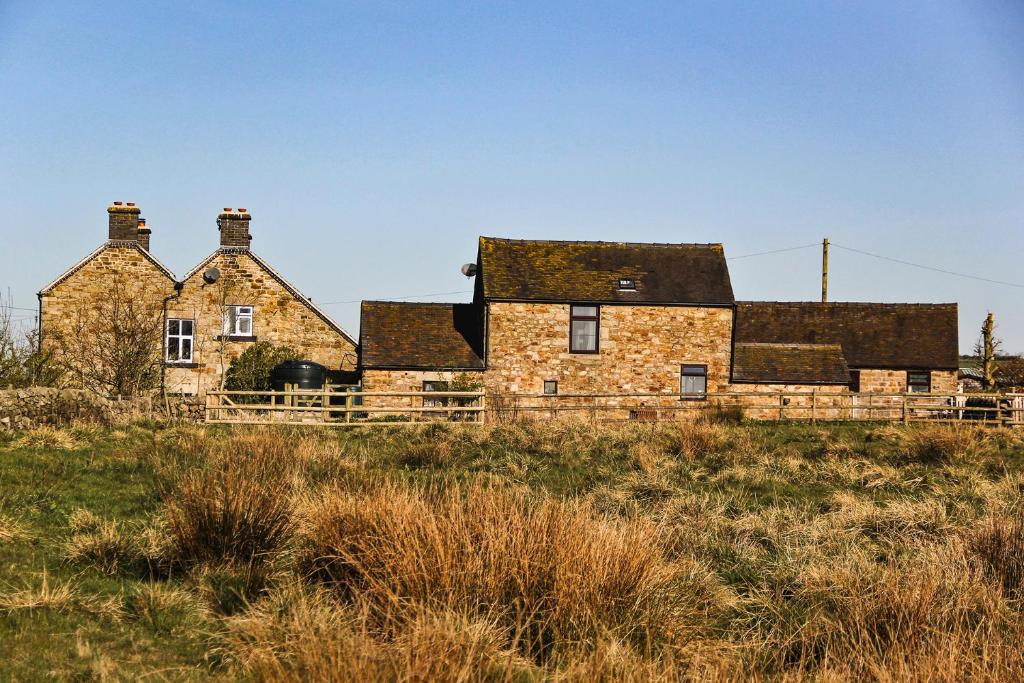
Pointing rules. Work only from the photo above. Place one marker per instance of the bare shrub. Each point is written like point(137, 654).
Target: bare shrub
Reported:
point(691, 440)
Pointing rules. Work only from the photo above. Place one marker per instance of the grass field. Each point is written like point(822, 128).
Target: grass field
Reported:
point(549, 552)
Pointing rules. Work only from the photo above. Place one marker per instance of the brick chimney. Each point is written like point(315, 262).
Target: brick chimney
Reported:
point(124, 222)
point(143, 234)
point(234, 228)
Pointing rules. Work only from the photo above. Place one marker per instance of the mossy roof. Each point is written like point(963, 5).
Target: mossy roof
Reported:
point(872, 335)
point(790, 364)
point(543, 270)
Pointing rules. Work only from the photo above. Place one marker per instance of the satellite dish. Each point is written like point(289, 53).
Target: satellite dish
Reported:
point(468, 269)
point(211, 275)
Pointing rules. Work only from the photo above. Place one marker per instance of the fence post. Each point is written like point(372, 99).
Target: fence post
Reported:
point(325, 404)
point(782, 405)
point(814, 406)
point(906, 417)
point(348, 406)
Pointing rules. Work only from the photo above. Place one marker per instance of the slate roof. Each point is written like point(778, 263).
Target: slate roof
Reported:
point(421, 336)
point(790, 364)
point(872, 335)
point(542, 270)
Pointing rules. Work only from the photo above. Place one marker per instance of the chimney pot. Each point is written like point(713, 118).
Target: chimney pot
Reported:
point(131, 203)
point(123, 222)
point(143, 234)
point(227, 209)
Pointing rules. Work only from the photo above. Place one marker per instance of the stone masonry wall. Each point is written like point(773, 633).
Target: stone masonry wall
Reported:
point(895, 381)
point(121, 270)
point(402, 381)
point(278, 317)
point(641, 348)
point(28, 408)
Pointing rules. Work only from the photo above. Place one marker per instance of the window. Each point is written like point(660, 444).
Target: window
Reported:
point(855, 381)
point(238, 321)
point(693, 381)
point(435, 385)
point(919, 382)
point(627, 283)
point(550, 387)
point(583, 329)
point(179, 340)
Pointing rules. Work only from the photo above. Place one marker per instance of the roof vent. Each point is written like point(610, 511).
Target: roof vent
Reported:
point(627, 284)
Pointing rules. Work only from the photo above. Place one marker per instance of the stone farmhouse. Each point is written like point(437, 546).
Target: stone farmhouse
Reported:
point(547, 319)
point(554, 318)
point(230, 300)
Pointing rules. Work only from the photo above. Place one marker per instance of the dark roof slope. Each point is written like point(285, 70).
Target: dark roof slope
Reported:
point(790, 364)
point(421, 335)
point(541, 270)
point(872, 335)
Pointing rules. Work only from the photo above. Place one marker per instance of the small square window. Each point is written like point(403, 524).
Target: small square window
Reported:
point(693, 381)
point(919, 382)
point(627, 284)
point(550, 387)
point(238, 321)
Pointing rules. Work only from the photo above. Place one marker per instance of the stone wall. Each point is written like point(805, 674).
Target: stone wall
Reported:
point(28, 408)
point(403, 381)
point(895, 381)
point(641, 348)
point(36, 406)
point(278, 317)
point(805, 401)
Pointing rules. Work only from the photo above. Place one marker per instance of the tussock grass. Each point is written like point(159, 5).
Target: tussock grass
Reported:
point(544, 551)
point(236, 508)
point(547, 567)
point(48, 437)
point(49, 595)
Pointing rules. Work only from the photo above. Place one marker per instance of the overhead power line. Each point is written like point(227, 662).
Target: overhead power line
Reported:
point(931, 268)
point(774, 251)
point(396, 298)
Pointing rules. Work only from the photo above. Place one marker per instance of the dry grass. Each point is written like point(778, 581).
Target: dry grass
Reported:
point(234, 508)
point(48, 437)
point(577, 552)
point(58, 596)
point(544, 567)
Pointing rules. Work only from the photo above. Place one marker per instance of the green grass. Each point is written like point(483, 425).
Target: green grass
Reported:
point(758, 483)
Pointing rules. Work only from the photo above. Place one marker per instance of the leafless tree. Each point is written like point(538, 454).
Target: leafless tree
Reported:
point(111, 343)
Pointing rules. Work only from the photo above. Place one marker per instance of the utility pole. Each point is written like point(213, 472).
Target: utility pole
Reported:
point(824, 271)
point(988, 353)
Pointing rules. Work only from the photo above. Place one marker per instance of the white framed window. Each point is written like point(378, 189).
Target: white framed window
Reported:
point(919, 381)
point(179, 342)
point(238, 321)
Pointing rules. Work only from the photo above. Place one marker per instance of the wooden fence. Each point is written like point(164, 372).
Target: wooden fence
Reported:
point(340, 406)
point(345, 406)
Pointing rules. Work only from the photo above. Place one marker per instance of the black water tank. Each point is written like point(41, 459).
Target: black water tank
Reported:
point(304, 374)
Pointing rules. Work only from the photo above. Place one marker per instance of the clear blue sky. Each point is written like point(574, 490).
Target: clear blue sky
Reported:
point(373, 141)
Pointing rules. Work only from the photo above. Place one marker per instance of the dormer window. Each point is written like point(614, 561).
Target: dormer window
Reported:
point(627, 284)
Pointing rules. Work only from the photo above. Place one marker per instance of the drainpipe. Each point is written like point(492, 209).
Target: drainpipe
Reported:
point(178, 286)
